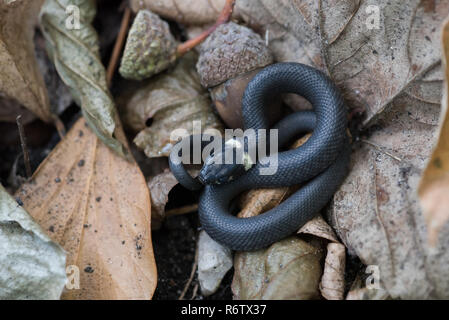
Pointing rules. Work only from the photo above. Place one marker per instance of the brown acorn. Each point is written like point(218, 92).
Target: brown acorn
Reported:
point(229, 58)
point(150, 47)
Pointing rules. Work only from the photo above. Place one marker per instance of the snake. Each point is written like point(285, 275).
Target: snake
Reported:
point(318, 166)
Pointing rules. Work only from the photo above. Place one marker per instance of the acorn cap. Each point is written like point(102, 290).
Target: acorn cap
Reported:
point(231, 50)
point(150, 47)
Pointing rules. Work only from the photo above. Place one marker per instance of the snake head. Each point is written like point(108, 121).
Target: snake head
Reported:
point(226, 164)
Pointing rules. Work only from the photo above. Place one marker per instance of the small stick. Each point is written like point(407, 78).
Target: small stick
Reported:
point(59, 127)
point(182, 210)
point(195, 291)
point(192, 275)
point(23, 143)
point(224, 17)
point(118, 45)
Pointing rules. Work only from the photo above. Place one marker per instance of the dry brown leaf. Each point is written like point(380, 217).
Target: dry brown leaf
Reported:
point(434, 186)
point(96, 205)
point(20, 78)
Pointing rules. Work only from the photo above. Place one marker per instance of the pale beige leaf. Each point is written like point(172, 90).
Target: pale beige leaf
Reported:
point(97, 206)
point(20, 78)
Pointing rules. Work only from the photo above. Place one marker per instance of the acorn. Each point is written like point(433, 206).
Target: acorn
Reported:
point(229, 58)
point(150, 47)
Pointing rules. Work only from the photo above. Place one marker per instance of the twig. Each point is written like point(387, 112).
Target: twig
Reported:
point(59, 127)
point(224, 17)
point(195, 291)
point(118, 45)
point(182, 210)
point(192, 275)
point(23, 143)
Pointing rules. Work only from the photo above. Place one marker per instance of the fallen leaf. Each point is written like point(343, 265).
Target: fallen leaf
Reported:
point(173, 100)
point(288, 269)
point(376, 212)
point(214, 261)
point(96, 205)
point(434, 186)
point(20, 78)
point(31, 265)
point(319, 228)
point(75, 53)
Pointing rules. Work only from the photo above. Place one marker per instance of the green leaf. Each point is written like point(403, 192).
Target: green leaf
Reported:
point(75, 53)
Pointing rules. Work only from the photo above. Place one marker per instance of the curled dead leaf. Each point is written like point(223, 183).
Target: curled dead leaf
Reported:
point(96, 205)
point(160, 186)
point(173, 100)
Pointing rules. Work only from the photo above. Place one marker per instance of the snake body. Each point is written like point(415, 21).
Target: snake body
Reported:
point(320, 164)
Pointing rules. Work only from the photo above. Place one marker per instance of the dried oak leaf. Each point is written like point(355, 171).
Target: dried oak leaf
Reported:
point(376, 211)
point(173, 100)
point(434, 186)
point(96, 205)
point(75, 53)
point(288, 269)
point(20, 78)
point(31, 265)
